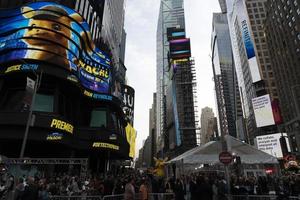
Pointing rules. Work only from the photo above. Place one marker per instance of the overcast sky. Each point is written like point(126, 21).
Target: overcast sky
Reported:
point(141, 23)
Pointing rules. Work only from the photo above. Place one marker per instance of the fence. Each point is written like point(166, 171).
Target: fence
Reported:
point(264, 197)
point(151, 196)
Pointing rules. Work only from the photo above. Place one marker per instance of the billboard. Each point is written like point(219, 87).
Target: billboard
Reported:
point(51, 33)
point(128, 100)
point(247, 40)
point(174, 33)
point(263, 111)
point(180, 48)
point(271, 144)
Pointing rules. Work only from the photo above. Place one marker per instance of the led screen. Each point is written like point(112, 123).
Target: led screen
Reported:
point(180, 48)
point(263, 111)
point(52, 33)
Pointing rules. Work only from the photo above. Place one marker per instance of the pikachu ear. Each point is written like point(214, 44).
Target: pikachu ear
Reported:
point(166, 159)
point(155, 159)
point(27, 12)
point(76, 17)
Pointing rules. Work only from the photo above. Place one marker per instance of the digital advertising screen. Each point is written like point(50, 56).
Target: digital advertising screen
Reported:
point(263, 111)
point(174, 33)
point(180, 48)
point(57, 35)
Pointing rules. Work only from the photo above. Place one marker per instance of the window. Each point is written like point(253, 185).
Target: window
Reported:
point(43, 103)
point(98, 118)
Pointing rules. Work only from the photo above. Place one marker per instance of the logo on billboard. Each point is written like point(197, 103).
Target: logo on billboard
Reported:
point(54, 136)
point(105, 145)
point(61, 125)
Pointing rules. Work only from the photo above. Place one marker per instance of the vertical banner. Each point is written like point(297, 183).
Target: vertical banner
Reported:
point(28, 94)
point(131, 136)
point(128, 100)
point(248, 40)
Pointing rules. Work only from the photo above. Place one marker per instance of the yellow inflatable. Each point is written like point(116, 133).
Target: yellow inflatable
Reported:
point(159, 169)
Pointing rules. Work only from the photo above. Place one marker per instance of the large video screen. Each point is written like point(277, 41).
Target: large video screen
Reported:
point(180, 48)
point(52, 33)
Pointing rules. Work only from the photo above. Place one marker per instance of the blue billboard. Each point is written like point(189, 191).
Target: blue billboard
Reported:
point(51, 33)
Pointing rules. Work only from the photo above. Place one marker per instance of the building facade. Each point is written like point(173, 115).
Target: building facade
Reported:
point(283, 39)
point(175, 99)
point(226, 86)
point(207, 126)
point(60, 61)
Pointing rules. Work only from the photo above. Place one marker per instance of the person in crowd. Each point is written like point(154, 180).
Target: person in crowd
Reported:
point(129, 190)
point(19, 190)
point(31, 191)
point(144, 189)
point(179, 189)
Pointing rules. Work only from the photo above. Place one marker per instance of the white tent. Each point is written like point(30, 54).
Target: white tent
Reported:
point(209, 153)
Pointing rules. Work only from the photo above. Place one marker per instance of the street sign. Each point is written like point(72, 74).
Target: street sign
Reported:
point(225, 157)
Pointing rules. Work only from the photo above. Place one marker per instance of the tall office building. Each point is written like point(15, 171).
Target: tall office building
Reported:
point(175, 81)
point(72, 50)
point(283, 39)
point(257, 15)
point(226, 87)
point(246, 64)
point(207, 125)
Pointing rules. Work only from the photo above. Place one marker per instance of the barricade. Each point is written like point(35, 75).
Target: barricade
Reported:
point(263, 197)
point(114, 197)
point(79, 197)
point(161, 196)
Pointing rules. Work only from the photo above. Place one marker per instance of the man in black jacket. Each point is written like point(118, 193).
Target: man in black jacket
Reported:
point(31, 191)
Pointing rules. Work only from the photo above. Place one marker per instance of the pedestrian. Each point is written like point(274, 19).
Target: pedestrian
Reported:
point(144, 190)
point(129, 189)
point(31, 191)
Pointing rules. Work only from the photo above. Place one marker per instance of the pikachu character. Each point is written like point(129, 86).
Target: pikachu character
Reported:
point(159, 169)
point(48, 33)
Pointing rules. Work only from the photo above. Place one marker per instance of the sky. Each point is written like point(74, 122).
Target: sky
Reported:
point(141, 18)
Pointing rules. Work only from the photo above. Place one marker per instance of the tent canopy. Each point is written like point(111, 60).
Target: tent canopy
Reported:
point(209, 153)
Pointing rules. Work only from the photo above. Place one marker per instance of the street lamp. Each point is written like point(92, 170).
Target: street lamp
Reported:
point(36, 85)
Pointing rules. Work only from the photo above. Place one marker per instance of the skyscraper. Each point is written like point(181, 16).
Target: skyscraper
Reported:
point(207, 125)
point(227, 93)
point(247, 69)
point(175, 97)
point(283, 39)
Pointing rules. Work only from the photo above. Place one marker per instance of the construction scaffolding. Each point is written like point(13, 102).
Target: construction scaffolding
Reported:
point(186, 93)
point(83, 162)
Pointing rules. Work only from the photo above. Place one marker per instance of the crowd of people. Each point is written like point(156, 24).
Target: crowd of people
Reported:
point(132, 184)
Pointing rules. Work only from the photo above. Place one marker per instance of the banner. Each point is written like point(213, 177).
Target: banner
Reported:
point(131, 136)
point(128, 100)
point(52, 33)
point(248, 40)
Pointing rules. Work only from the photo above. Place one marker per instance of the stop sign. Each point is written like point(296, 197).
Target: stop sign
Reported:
point(225, 157)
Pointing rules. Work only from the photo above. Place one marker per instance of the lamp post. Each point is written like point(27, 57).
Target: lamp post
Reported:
point(36, 85)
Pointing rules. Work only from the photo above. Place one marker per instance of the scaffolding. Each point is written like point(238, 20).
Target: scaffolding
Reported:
point(186, 93)
point(83, 162)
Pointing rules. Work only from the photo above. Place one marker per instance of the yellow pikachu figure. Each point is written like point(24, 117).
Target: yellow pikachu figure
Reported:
point(159, 167)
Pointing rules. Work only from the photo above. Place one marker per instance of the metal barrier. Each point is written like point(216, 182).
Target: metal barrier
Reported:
point(114, 197)
point(161, 196)
point(151, 196)
point(79, 197)
point(263, 197)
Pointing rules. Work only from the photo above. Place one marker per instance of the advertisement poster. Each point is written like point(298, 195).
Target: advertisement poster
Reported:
point(263, 111)
point(248, 40)
point(57, 35)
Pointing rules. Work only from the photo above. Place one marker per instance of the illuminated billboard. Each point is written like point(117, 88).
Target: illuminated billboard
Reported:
point(131, 136)
point(180, 48)
point(271, 144)
point(263, 111)
point(51, 33)
point(174, 33)
point(248, 40)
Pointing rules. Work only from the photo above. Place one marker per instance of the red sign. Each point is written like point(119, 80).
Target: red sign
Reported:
point(225, 157)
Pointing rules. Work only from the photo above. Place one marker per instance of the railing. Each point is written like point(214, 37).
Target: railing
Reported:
point(264, 197)
point(138, 196)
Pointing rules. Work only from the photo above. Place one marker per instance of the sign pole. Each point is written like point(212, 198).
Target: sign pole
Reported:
point(29, 116)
